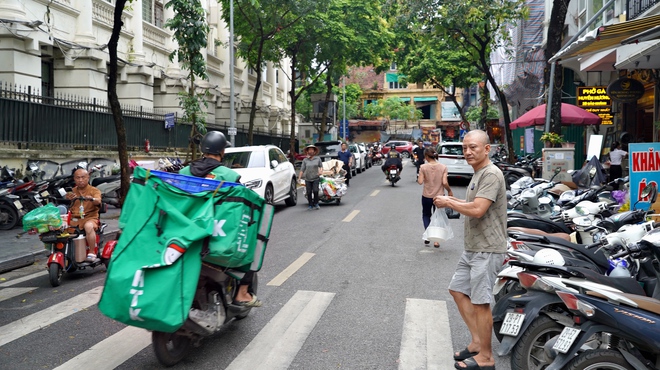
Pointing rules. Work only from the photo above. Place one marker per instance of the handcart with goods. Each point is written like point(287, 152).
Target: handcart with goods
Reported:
point(332, 184)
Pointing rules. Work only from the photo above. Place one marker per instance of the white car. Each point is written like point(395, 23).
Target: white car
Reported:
point(359, 156)
point(266, 170)
point(451, 155)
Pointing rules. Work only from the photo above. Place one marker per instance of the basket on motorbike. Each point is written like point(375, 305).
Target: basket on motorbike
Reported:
point(170, 223)
point(42, 219)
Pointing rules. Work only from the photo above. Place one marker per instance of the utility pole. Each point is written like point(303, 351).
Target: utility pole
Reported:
point(344, 123)
point(232, 111)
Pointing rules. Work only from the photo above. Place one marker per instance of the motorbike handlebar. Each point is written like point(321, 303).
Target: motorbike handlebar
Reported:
point(623, 253)
point(592, 245)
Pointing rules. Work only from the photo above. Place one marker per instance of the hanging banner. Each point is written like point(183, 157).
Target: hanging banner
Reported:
point(594, 99)
point(644, 164)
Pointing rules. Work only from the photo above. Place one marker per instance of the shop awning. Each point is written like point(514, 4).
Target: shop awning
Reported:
point(650, 34)
point(391, 77)
point(606, 37)
point(364, 123)
point(405, 99)
point(425, 98)
point(645, 55)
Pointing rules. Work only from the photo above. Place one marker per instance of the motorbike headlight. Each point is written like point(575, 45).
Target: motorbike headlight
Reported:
point(253, 184)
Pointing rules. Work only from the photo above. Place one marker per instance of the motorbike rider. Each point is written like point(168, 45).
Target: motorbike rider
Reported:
point(393, 159)
point(419, 154)
point(210, 166)
point(85, 213)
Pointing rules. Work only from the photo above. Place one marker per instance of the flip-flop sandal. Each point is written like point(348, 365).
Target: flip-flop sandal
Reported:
point(253, 303)
point(427, 241)
point(462, 355)
point(473, 365)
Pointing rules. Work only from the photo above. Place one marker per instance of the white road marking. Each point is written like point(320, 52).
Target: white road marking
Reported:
point(112, 351)
point(22, 279)
point(426, 339)
point(351, 216)
point(279, 341)
point(375, 193)
point(52, 314)
point(8, 293)
point(291, 269)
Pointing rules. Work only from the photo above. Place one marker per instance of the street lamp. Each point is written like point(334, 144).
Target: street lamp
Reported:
point(232, 112)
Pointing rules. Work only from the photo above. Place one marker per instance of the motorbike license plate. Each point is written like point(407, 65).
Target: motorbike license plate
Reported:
point(45, 193)
point(18, 204)
point(566, 339)
point(393, 172)
point(512, 323)
point(37, 197)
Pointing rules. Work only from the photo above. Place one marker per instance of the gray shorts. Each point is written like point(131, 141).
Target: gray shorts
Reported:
point(475, 275)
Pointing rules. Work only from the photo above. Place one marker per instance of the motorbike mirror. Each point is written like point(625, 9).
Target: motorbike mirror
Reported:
point(582, 211)
point(646, 191)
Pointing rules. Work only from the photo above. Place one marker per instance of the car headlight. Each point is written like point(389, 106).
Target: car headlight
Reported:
point(253, 184)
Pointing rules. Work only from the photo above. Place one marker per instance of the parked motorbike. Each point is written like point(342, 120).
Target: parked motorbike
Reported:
point(393, 175)
point(68, 248)
point(212, 308)
point(611, 330)
point(11, 209)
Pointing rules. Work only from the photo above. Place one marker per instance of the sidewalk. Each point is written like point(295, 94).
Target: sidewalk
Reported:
point(17, 250)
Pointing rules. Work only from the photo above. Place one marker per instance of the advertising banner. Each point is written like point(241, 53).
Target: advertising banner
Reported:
point(644, 164)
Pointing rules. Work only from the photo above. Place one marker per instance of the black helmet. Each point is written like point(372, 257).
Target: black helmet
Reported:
point(214, 142)
point(392, 146)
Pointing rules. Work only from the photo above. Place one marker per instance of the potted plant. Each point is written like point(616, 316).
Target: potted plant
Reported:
point(551, 139)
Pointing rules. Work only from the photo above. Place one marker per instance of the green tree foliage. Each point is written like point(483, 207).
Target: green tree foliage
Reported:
point(256, 25)
point(190, 31)
point(423, 57)
point(477, 27)
point(474, 114)
point(392, 109)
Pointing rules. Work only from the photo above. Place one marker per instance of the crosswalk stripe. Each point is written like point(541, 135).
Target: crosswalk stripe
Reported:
point(426, 339)
point(43, 318)
point(112, 351)
point(279, 341)
point(8, 293)
point(22, 279)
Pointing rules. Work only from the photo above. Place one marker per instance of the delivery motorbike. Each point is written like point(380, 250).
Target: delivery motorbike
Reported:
point(68, 248)
point(213, 306)
point(393, 175)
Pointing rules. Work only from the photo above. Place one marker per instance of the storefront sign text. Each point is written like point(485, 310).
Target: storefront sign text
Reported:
point(625, 90)
point(594, 99)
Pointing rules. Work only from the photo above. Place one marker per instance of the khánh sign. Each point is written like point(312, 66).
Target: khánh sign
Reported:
point(594, 99)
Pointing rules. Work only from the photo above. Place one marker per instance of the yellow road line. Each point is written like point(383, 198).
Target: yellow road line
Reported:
point(351, 216)
point(291, 269)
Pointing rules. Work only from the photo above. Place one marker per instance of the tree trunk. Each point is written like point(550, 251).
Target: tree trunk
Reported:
point(555, 31)
point(193, 129)
point(485, 96)
point(328, 92)
point(503, 105)
point(255, 94)
point(113, 100)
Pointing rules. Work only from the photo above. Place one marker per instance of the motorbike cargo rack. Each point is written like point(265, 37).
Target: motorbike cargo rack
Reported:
point(190, 184)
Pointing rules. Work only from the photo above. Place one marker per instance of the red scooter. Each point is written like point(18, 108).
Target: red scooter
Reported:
point(64, 256)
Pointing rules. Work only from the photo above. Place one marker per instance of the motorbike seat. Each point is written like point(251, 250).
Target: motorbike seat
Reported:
point(101, 180)
point(624, 284)
point(643, 302)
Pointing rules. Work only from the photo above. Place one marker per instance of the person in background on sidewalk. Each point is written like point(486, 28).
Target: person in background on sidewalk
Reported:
point(485, 249)
point(210, 167)
point(347, 157)
point(85, 213)
point(616, 156)
point(433, 175)
point(419, 154)
point(310, 171)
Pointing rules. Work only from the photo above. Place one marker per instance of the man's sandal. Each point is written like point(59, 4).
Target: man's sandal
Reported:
point(462, 355)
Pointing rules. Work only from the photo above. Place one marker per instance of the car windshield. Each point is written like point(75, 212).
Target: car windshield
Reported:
point(246, 159)
point(451, 150)
point(329, 148)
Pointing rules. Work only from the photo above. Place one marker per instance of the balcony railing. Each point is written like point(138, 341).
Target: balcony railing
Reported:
point(636, 7)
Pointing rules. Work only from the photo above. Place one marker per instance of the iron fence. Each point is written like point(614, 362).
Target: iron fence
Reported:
point(634, 8)
point(32, 121)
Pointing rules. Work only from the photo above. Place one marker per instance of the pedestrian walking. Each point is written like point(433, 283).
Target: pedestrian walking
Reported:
point(616, 157)
point(485, 248)
point(346, 156)
point(433, 176)
point(418, 151)
point(310, 171)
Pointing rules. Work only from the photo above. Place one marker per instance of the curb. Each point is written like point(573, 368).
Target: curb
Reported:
point(29, 258)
